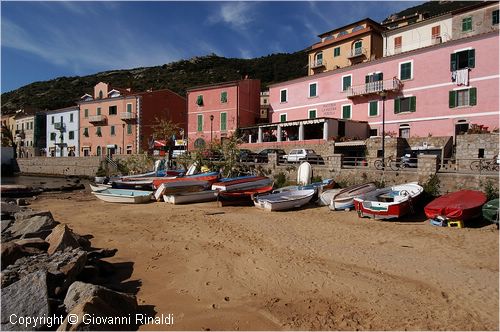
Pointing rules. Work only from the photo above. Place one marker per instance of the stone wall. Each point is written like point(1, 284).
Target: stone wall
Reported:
point(321, 147)
point(468, 145)
point(81, 166)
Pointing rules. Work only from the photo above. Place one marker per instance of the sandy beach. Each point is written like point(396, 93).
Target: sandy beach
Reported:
point(240, 268)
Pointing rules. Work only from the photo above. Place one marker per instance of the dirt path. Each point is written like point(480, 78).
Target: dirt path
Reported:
point(309, 269)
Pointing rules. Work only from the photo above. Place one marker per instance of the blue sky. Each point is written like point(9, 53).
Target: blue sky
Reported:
point(45, 40)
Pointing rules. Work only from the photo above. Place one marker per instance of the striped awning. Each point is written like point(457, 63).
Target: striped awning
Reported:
point(350, 143)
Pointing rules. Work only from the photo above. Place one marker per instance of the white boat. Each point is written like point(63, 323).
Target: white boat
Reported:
point(284, 200)
point(99, 187)
point(192, 197)
point(388, 203)
point(179, 187)
point(325, 197)
point(123, 195)
point(304, 174)
point(344, 199)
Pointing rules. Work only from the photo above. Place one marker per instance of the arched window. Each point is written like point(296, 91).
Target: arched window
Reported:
point(318, 59)
point(357, 47)
point(98, 150)
point(100, 94)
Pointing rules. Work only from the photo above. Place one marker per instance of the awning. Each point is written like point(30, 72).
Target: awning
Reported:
point(350, 143)
point(159, 143)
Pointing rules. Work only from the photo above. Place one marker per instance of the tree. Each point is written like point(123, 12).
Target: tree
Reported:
point(8, 138)
point(165, 130)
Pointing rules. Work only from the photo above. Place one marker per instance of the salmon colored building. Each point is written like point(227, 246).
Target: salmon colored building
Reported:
point(216, 110)
point(119, 121)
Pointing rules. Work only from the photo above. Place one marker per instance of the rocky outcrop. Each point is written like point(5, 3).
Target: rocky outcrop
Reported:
point(61, 238)
point(33, 243)
point(29, 224)
point(11, 252)
point(26, 298)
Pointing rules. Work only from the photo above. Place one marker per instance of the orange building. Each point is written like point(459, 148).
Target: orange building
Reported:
point(119, 121)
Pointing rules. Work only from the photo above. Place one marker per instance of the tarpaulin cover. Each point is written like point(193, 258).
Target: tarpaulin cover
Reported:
point(460, 205)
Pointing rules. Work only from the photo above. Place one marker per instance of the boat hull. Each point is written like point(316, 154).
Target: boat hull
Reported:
point(491, 211)
point(344, 199)
point(284, 201)
point(123, 196)
point(461, 205)
point(194, 197)
point(241, 197)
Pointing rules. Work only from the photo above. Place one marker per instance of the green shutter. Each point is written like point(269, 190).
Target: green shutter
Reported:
point(129, 129)
point(346, 83)
point(283, 96)
point(413, 104)
point(223, 124)
point(312, 90)
point(312, 114)
point(397, 105)
point(283, 118)
point(223, 97)
point(200, 122)
point(472, 58)
point(112, 130)
point(129, 108)
point(367, 79)
point(472, 96)
point(453, 61)
point(373, 108)
point(199, 100)
point(346, 112)
point(452, 100)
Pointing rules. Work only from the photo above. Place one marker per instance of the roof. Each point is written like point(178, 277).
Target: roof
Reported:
point(368, 20)
point(218, 85)
point(65, 109)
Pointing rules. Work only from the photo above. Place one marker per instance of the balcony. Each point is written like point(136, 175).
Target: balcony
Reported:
point(318, 64)
point(392, 85)
point(59, 126)
point(97, 119)
point(356, 52)
point(127, 116)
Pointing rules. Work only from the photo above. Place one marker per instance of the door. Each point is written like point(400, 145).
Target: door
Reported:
point(341, 128)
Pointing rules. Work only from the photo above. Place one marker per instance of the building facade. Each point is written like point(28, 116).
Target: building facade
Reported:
point(9, 121)
point(216, 111)
point(475, 20)
point(351, 44)
point(438, 90)
point(118, 121)
point(63, 132)
point(24, 135)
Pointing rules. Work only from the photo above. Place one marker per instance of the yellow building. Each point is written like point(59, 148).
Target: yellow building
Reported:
point(354, 43)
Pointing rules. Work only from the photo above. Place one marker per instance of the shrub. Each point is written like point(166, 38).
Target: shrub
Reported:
point(281, 180)
point(489, 189)
point(432, 186)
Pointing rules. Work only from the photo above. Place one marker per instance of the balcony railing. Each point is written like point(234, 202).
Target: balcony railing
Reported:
point(374, 87)
point(127, 116)
point(318, 64)
point(97, 118)
point(355, 52)
point(59, 126)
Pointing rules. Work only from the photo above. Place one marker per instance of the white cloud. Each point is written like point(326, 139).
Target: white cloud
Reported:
point(237, 14)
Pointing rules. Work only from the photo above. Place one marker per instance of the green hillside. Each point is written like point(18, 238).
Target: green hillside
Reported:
point(177, 76)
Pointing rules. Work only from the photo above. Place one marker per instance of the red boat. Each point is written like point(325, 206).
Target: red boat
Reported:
point(461, 205)
point(241, 183)
point(210, 177)
point(241, 197)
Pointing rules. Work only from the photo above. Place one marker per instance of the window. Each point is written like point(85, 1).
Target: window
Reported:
point(52, 136)
point(98, 132)
point(405, 104)
point(346, 82)
point(373, 108)
point(436, 32)
point(406, 70)
point(199, 100)
point(98, 151)
point(100, 94)
point(357, 28)
point(71, 135)
point(336, 52)
point(71, 117)
point(404, 131)
point(86, 113)
point(462, 59)
point(373, 132)
point(346, 111)
point(494, 17)
point(312, 114)
point(283, 117)
point(98, 112)
point(200, 122)
point(112, 128)
point(223, 121)
point(86, 132)
point(463, 97)
point(357, 49)
point(374, 77)
point(223, 97)
point(112, 110)
point(467, 24)
point(342, 33)
point(398, 42)
point(318, 59)
point(283, 96)
point(129, 129)
point(129, 149)
point(313, 90)
point(129, 108)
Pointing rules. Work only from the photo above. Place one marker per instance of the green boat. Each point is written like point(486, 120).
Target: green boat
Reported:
point(490, 211)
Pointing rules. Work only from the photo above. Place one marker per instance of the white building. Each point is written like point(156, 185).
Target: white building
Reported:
point(62, 132)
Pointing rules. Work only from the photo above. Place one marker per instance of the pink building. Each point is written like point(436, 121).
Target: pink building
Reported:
point(118, 121)
point(216, 110)
point(438, 90)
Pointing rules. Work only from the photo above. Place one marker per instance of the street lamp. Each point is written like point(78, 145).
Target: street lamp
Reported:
point(383, 94)
point(211, 126)
point(123, 138)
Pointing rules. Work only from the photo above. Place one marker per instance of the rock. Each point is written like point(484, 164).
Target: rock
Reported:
point(61, 238)
point(64, 266)
point(83, 241)
point(26, 298)
point(34, 242)
point(102, 253)
point(83, 298)
point(21, 202)
point(6, 223)
point(11, 252)
point(32, 224)
point(11, 209)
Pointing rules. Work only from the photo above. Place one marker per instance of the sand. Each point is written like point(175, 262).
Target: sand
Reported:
point(310, 269)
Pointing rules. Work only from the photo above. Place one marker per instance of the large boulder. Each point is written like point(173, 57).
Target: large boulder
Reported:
point(26, 298)
point(11, 252)
point(34, 242)
point(61, 238)
point(29, 224)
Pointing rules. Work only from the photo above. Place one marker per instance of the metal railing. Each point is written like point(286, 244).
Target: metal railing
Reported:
point(356, 52)
point(468, 165)
point(314, 160)
point(354, 162)
point(318, 63)
point(127, 116)
point(392, 84)
point(97, 118)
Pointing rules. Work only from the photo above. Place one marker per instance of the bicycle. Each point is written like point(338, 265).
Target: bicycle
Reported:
point(484, 165)
point(390, 162)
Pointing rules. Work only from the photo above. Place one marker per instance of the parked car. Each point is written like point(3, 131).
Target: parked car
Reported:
point(297, 155)
point(262, 156)
point(409, 159)
point(247, 155)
